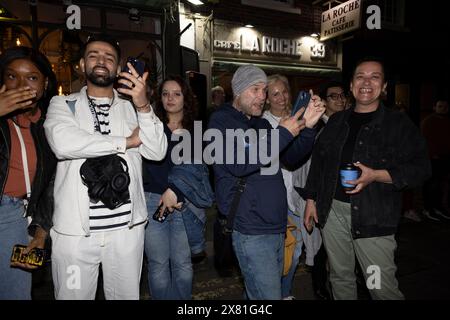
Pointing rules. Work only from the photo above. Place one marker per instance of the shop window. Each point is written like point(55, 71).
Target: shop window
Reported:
point(11, 36)
point(279, 5)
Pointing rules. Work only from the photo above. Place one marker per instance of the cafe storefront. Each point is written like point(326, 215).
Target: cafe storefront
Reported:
point(306, 61)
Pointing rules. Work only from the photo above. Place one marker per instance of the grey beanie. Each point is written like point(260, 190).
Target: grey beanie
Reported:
point(246, 76)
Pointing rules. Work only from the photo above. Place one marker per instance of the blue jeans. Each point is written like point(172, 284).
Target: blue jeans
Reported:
point(261, 261)
point(168, 254)
point(195, 223)
point(286, 281)
point(15, 283)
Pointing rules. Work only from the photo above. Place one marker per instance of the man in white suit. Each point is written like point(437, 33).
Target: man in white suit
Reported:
point(92, 123)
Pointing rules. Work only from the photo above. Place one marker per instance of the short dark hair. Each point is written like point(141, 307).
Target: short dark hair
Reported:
point(102, 37)
point(371, 59)
point(330, 84)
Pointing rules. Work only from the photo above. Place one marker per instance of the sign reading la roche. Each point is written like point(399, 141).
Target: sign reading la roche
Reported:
point(235, 42)
point(341, 19)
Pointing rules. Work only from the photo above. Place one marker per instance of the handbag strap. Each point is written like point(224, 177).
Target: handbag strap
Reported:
point(25, 166)
point(234, 205)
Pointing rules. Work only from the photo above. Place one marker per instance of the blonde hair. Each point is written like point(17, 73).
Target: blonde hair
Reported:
point(271, 80)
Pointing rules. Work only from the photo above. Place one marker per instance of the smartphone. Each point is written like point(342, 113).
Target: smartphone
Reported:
point(159, 218)
point(302, 101)
point(35, 257)
point(137, 64)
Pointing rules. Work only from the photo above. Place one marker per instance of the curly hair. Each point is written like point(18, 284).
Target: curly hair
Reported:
point(189, 107)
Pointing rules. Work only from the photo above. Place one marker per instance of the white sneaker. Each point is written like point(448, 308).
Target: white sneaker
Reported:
point(442, 214)
point(430, 215)
point(289, 298)
point(412, 215)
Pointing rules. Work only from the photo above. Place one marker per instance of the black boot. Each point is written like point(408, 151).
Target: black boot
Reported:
point(320, 275)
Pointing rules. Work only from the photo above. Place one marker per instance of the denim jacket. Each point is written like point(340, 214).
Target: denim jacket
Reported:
point(391, 142)
point(193, 181)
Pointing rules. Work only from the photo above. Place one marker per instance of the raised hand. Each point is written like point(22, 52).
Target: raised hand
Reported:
point(137, 88)
point(294, 124)
point(314, 110)
point(14, 99)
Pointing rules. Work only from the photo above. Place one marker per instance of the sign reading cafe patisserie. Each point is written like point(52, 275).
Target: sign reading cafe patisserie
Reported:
point(341, 19)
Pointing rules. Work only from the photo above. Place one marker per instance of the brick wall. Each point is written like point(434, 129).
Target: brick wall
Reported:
point(233, 10)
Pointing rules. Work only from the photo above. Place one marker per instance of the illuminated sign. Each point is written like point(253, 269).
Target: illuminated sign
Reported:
point(251, 44)
point(341, 19)
point(268, 45)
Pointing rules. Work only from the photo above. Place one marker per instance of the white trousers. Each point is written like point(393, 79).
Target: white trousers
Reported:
point(76, 261)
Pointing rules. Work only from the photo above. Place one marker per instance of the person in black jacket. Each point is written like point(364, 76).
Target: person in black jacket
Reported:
point(27, 83)
point(391, 155)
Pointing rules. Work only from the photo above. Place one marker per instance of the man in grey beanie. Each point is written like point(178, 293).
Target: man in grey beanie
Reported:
point(260, 219)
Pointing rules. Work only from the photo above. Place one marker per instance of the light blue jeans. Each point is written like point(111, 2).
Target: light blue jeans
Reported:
point(15, 283)
point(195, 223)
point(168, 254)
point(261, 261)
point(286, 281)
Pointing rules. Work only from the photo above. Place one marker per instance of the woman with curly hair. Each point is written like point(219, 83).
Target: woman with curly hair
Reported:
point(167, 247)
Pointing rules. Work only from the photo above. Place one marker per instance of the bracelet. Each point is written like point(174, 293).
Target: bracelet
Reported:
point(144, 106)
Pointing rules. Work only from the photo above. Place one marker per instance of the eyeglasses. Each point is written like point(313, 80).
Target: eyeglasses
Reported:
point(336, 96)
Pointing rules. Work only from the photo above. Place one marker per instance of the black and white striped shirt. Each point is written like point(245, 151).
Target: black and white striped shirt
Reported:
point(102, 218)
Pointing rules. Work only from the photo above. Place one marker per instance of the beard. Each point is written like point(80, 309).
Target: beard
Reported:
point(101, 80)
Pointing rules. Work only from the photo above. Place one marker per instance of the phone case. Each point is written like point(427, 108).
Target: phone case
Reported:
point(35, 257)
point(162, 218)
point(137, 64)
point(302, 101)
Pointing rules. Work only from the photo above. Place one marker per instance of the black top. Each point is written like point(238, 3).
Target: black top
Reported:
point(156, 173)
point(355, 122)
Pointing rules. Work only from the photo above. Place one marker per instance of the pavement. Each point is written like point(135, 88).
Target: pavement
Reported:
point(423, 259)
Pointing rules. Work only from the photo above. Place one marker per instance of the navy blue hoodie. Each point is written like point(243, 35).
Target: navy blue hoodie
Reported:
point(263, 205)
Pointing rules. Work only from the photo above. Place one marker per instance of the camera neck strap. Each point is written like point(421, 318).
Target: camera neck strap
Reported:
point(26, 173)
point(103, 107)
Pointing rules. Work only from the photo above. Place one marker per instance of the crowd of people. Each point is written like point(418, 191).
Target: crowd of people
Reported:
point(97, 175)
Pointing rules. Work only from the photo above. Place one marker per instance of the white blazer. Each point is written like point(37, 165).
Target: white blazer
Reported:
point(70, 134)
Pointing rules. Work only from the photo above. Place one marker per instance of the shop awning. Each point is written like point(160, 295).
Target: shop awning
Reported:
point(232, 65)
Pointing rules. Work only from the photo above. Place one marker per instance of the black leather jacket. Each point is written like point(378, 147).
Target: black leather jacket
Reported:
point(390, 141)
point(40, 207)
